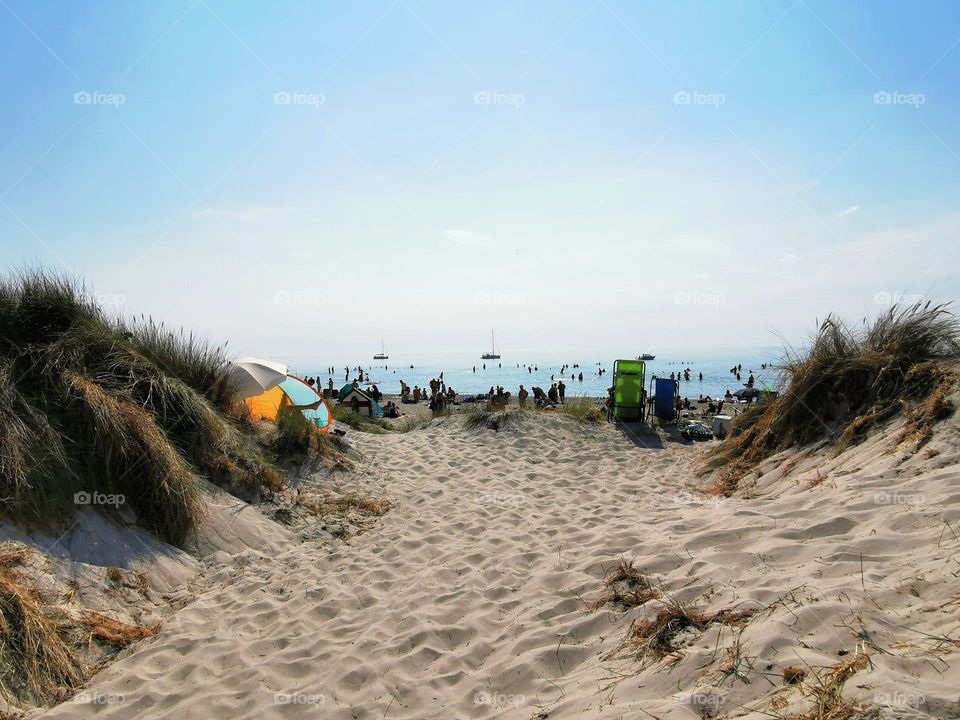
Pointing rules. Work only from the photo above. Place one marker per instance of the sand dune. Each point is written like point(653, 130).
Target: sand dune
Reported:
point(467, 599)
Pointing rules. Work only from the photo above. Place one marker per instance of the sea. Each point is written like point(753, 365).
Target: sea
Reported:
point(468, 374)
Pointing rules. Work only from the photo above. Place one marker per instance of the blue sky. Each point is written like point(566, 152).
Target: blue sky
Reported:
point(305, 177)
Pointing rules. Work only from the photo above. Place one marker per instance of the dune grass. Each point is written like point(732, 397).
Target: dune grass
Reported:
point(359, 421)
point(496, 420)
point(624, 587)
point(825, 690)
point(583, 409)
point(849, 381)
point(296, 437)
point(90, 404)
point(658, 636)
point(44, 638)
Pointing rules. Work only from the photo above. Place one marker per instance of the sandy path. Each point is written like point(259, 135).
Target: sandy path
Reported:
point(463, 601)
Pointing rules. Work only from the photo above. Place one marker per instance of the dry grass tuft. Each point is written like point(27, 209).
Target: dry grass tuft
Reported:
point(659, 636)
point(361, 422)
point(36, 662)
point(793, 675)
point(480, 419)
point(343, 504)
point(297, 437)
point(113, 632)
point(13, 554)
point(625, 587)
point(115, 576)
point(43, 638)
point(826, 692)
point(848, 382)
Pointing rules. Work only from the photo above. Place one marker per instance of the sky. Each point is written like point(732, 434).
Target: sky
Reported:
point(302, 179)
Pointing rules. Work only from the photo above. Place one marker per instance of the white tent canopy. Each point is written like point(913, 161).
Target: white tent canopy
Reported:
point(252, 376)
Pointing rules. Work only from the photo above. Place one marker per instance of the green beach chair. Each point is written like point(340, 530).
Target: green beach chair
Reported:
point(628, 395)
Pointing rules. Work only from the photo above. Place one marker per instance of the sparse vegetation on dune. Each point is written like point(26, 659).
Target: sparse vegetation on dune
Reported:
point(849, 381)
point(296, 437)
point(89, 404)
point(655, 637)
point(46, 643)
point(360, 422)
point(825, 691)
point(624, 587)
point(496, 420)
point(584, 409)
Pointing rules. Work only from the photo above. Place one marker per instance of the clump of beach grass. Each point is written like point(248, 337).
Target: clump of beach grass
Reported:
point(825, 689)
point(297, 437)
point(583, 409)
point(43, 637)
point(36, 661)
point(846, 383)
point(496, 420)
point(92, 404)
point(358, 421)
point(336, 505)
point(624, 587)
point(658, 636)
point(110, 631)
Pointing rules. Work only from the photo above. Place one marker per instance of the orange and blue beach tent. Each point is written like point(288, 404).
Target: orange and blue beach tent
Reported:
point(292, 391)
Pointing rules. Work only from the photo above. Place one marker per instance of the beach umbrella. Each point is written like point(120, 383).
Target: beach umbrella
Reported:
point(253, 376)
point(745, 393)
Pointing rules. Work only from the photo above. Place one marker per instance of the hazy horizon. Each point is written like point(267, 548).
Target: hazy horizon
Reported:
point(303, 179)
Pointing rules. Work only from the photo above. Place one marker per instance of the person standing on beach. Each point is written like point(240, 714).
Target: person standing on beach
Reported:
point(522, 397)
point(562, 390)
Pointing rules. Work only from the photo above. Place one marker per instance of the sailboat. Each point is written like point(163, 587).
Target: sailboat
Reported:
point(382, 355)
point(493, 354)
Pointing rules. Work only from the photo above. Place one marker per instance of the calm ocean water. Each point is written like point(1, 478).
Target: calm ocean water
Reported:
point(458, 371)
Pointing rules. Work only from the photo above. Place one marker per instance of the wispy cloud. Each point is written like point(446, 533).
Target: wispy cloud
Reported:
point(250, 213)
point(849, 211)
point(467, 238)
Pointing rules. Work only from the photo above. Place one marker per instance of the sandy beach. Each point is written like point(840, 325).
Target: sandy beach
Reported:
point(712, 245)
point(467, 599)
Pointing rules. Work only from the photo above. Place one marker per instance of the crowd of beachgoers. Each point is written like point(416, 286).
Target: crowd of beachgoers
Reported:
point(438, 395)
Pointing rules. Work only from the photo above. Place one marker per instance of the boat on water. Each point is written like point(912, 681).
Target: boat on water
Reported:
point(494, 353)
point(382, 355)
point(648, 356)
